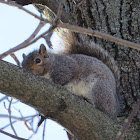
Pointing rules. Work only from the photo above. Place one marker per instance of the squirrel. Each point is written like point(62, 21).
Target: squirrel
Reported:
point(85, 69)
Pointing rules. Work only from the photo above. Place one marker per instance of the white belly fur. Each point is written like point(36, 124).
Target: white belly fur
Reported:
point(83, 87)
point(47, 76)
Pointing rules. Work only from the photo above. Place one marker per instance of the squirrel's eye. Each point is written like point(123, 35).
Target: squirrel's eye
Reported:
point(37, 60)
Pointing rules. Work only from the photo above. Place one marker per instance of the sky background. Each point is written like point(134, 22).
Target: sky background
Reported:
point(15, 27)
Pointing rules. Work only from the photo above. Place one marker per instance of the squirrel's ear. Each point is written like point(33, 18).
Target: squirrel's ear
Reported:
point(43, 51)
point(23, 55)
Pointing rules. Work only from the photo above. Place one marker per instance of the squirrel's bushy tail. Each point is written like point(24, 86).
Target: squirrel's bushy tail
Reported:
point(72, 46)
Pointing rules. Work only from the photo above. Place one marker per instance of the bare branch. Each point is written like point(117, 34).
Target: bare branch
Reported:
point(99, 35)
point(26, 122)
point(25, 43)
point(29, 126)
point(42, 35)
point(9, 111)
point(13, 136)
point(59, 12)
point(15, 58)
point(44, 129)
point(10, 3)
point(40, 94)
point(107, 37)
point(25, 119)
point(5, 97)
point(80, 29)
point(18, 118)
point(47, 39)
point(7, 125)
point(128, 121)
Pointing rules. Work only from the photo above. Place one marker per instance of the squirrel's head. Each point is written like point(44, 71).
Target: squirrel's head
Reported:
point(35, 61)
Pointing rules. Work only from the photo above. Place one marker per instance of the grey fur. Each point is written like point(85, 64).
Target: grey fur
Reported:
point(90, 77)
point(72, 46)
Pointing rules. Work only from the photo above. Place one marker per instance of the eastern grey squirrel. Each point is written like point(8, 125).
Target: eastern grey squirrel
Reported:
point(85, 69)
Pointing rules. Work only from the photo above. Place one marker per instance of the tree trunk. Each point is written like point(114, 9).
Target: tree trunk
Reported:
point(119, 18)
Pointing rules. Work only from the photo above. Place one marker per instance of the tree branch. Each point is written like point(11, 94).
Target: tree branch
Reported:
point(54, 102)
point(99, 35)
point(52, 7)
point(25, 43)
point(13, 136)
point(62, 104)
point(79, 30)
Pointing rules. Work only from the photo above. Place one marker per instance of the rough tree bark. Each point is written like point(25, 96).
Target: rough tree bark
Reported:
point(54, 102)
point(119, 18)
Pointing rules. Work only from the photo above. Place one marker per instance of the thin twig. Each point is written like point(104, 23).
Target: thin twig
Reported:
point(5, 97)
point(25, 119)
point(5, 105)
point(7, 125)
point(12, 101)
point(99, 35)
point(27, 122)
point(44, 129)
point(10, 3)
point(33, 133)
point(47, 39)
point(57, 20)
point(27, 125)
point(129, 120)
point(15, 58)
point(10, 119)
point(23, 44)
point(17, 118)
point(42, 35)
point(13, 136)
point(33, 41)
point(82, 30)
